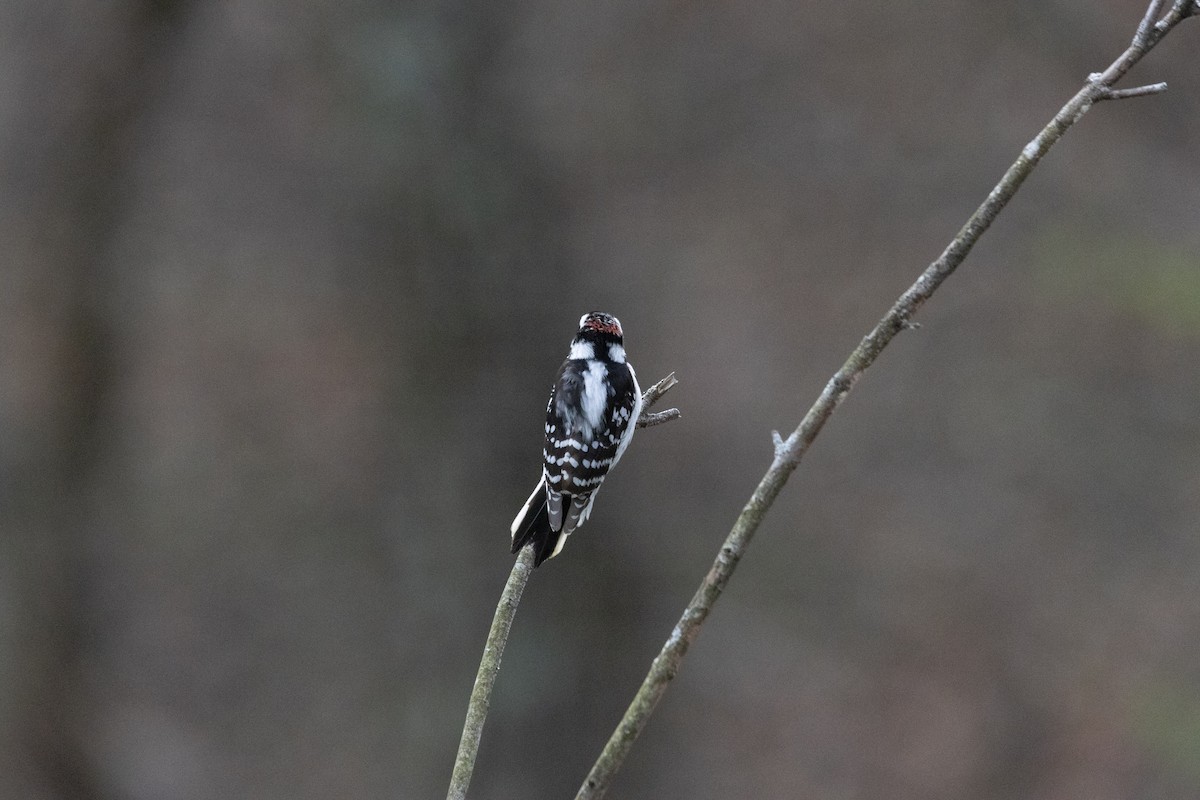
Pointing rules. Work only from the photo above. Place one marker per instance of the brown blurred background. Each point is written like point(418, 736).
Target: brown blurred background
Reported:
point(283, 289)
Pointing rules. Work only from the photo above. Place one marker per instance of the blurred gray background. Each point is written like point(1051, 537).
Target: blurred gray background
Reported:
point(284, 286)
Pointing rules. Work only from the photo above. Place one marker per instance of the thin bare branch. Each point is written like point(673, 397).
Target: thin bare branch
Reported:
point(485, 679)
point(789, 452)
point(510, 598)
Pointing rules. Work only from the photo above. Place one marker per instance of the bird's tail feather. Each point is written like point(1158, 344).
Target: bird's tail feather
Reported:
point(533, 525)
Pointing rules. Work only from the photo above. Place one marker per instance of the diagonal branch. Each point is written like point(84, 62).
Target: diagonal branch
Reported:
point(493, 651)
point(789, 452)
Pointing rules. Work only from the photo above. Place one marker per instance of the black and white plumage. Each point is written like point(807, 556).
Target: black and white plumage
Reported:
point(592, 414)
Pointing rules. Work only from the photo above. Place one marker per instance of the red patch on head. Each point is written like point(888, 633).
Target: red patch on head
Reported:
point(604, 325)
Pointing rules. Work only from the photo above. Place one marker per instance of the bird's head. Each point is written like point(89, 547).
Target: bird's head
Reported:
point(598, 326)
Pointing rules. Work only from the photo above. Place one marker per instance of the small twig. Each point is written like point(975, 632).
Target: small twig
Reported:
point(1137, 91)
point(650, 420)
point(789, 452)
point(652, 396)
point(510, 598)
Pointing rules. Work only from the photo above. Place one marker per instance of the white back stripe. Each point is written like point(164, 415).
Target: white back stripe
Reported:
point(594, 397)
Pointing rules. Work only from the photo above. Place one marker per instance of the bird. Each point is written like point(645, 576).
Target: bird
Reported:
point(593, 411)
